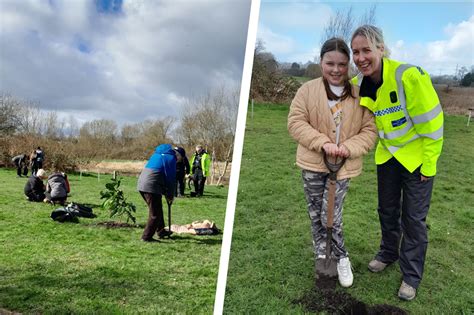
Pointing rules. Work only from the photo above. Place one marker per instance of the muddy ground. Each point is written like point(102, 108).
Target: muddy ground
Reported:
point(325, 297)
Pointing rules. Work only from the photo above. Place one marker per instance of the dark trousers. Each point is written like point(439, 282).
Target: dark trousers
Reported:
point(36, 197)
point(56, 200)
point(404, 202)
point(21, 169)
point(179, 191)
point(155, 221)
point(199, 182)
point(35, 166)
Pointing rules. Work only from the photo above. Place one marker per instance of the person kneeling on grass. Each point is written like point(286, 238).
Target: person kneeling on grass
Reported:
point(325, 118)
point(156, 179)
point(34, 187)
point(57, 188)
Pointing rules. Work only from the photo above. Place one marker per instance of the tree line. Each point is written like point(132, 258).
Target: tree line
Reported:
point(208, 120)
point(277, 82)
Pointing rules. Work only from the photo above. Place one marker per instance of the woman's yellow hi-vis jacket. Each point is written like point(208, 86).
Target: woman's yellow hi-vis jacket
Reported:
point(408, 116)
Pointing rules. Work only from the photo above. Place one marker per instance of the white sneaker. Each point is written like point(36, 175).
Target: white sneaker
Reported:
point(344, 272)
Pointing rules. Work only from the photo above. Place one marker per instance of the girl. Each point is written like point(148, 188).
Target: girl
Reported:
point(325, 118)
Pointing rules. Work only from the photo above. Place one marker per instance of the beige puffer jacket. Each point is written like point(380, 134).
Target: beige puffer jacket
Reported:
point(311, 123)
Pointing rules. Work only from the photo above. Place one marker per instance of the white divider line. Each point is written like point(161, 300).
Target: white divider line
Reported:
point(237, 157)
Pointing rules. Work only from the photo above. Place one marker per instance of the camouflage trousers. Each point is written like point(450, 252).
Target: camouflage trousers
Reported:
point(316, 187)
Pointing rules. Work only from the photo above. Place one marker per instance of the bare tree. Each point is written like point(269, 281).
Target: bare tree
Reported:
point(210, 120)
point(51, 126)
point(72, 129)
point(339, 25)
point(30, 118)
point(9, 108)
point(342, 23)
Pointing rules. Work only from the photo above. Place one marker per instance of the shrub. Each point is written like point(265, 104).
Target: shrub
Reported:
point(116, 202)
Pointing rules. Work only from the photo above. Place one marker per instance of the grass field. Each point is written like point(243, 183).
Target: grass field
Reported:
point(52, 268)
point(271, 262)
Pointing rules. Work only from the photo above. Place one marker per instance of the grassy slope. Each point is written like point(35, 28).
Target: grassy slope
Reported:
point(49, 267)
point(271, 261)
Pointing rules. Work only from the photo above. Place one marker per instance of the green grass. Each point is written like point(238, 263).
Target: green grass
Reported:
point(53, 268)
point(271, 262)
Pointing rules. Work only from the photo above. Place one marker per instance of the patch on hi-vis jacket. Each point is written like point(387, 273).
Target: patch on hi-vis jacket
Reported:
point(393, 97)
point(399, 122)
point(421, 70)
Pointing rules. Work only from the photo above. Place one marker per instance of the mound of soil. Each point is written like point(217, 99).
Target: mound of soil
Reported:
point(324, 297)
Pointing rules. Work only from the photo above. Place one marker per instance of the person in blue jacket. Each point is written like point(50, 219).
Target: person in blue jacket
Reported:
point(158, 178)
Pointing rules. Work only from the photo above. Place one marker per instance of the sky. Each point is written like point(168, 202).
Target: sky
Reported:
point(125, 60)
point(438, 36)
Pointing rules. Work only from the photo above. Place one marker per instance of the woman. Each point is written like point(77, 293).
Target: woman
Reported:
point(325, 118)
point(34, 187)
point(409, 120)
point(156, 179)
point(57, 188)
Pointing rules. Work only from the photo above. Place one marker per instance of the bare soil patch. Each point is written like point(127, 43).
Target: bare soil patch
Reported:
point(324, 297)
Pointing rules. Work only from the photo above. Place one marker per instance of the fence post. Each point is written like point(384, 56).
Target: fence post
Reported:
point(252, 109)
point(115, 175)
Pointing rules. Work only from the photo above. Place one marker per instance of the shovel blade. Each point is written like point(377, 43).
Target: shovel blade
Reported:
point(326, 274)
point(326, 267)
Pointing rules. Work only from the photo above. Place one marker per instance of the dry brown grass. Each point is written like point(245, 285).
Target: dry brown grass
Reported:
point(135, 167)
point(455, 100)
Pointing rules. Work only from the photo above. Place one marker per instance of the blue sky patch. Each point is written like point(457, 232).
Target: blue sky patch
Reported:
point(109, 6)
point(82, 45)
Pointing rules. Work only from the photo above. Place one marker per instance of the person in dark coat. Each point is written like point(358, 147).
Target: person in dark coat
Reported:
point(57, 188)
point(200, 164)
point(158, 178)
point(182, 169)
point(37, 158)
point(21, 164)
point(34, 187)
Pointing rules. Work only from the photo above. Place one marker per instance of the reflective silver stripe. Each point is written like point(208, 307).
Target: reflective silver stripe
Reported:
point(435, 135)
point(401, 91)
point(360, 76)
point(396, 133)
point(427, 116)
point(410, 120)
point(393, 148)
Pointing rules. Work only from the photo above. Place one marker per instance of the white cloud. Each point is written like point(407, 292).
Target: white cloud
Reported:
point(442, 56)
point(143, 61)
point(276, 43)
point(306, 56)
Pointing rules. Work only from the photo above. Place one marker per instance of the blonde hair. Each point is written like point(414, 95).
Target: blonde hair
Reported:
point(374, 36)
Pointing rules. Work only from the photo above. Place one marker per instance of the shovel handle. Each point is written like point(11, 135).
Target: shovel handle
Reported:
point(331, 202)
point(335, 166)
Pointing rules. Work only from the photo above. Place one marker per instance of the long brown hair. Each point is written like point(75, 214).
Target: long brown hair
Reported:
point(337, 44)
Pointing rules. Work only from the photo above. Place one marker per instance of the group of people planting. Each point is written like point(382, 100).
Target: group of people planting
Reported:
point(57, 185)
point(164, 175)
point(336, 120)
point(23, 161)
point(55, 191)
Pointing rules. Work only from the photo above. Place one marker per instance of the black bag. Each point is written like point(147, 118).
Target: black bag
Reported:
point(63, 215)
point(71, 212)
point(81, 210)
